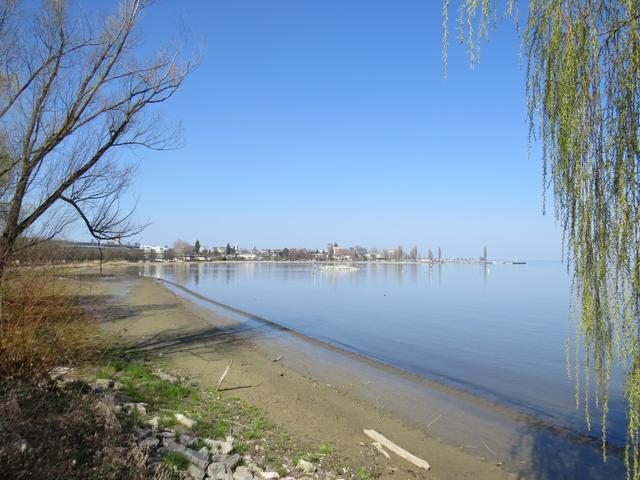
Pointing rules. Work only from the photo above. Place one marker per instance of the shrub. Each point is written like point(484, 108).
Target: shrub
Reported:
point(65, 432)
point(42, 326)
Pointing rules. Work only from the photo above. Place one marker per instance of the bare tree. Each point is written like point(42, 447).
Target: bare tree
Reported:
point(73, 94)
point(182, 248)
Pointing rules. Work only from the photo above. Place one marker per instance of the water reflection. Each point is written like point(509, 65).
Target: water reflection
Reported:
point(497, 330)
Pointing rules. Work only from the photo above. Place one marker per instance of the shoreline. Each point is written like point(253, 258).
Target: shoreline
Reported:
point(474, 433)
point(446, 386)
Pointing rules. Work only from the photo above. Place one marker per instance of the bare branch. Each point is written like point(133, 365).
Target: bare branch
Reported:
point(75, 93)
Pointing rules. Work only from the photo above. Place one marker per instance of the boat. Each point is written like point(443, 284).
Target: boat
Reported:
point(338, 268)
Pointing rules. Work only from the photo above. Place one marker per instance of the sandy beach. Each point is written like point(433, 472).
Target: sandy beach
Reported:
point(327, 396)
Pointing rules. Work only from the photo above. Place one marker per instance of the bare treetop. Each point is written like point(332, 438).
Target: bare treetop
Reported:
point(73, 92)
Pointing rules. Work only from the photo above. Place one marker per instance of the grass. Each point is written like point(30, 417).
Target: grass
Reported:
point(57, 432)
point(367, 473)
point(215, 416)
point(176, 460)
point(198, 444)
point(325, 449)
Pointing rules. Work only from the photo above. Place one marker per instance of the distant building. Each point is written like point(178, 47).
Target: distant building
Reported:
point(153, 253)
point(337, 253)
point(344, 253)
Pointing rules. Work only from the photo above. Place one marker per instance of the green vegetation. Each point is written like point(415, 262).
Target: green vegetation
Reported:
point(583, 78)
point(215, 416)
point(198, 444)
point(325, 449)
point(364, 473)
point(177, 460)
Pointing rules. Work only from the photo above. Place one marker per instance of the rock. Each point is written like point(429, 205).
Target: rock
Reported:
point(139, 407)
point(185, 421)
point(196, 458)
point(154, 423)
point(106, 384)
point(269, 475)
point(306, 467)
point(61, 374)
point(143, 433)
point(167, 434)
point(255, 469)
point(173, 446)
point(242, 473)
point(218, 471)
point(165, 376)
point(216, 468)
point(150, 443)
point(103, 383)
point(232, 461)
point(186, 440)
point(196, 472)
point(218, 446)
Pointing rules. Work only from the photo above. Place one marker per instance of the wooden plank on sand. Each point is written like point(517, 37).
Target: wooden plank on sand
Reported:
point(398, 450)
point(224, 374)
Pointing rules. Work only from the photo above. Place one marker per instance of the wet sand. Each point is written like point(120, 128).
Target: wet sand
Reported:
point(326, 395)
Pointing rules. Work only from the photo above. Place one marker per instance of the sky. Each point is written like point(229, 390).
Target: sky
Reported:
point(315, 121)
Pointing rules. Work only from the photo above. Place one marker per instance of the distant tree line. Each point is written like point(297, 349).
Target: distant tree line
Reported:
point(60, 251)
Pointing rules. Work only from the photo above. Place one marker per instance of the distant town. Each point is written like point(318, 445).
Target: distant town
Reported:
point(182, 251)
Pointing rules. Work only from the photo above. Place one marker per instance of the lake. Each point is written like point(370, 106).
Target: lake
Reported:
point(499, 331)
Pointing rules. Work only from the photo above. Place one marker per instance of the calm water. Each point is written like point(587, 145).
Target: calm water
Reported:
point(498, 331)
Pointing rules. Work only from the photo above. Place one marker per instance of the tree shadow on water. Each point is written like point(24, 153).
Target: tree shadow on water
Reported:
point(556, 453)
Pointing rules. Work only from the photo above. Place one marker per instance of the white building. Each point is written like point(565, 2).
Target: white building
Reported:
point(155, 253)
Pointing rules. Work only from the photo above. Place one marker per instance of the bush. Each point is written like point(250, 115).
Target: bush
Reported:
point(68, 433)
point(42, 326)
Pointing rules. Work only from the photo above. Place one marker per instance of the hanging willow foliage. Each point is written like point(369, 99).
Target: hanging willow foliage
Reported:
point(583, 90)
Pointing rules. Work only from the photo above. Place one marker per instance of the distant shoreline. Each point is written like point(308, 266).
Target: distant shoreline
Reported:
point(350, 262)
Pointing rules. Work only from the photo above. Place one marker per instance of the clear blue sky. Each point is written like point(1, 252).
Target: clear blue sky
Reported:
point(312, 121)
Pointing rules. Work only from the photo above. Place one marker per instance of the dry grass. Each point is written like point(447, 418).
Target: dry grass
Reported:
point(42, 326)
point(65, 433)
point(50, 429)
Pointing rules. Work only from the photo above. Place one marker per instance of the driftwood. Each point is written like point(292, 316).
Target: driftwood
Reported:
point(401, 452)
point(434, 421)
point(224, 374)
point(491, 451)
point(378, 446)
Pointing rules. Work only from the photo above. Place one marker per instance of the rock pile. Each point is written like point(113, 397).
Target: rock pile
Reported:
point(204, 458)
point(208, 458)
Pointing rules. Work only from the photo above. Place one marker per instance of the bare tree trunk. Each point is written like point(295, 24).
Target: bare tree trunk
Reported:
point(6, 247)
point(101, 256)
